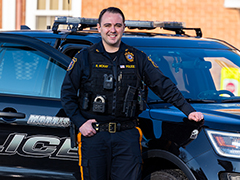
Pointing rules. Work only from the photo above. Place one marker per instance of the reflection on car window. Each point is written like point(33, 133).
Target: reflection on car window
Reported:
point(225, 74)
point(199, 73)
point(24, 71)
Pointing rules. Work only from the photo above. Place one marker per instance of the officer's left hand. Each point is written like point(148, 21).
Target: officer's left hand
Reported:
point(195, 116)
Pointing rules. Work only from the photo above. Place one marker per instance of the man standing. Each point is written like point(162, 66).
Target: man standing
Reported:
point(108, 80)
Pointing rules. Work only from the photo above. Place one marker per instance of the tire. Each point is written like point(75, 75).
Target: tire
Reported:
point(169, 174)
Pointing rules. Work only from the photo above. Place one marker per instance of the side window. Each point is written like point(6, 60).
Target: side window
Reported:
point(24, 71)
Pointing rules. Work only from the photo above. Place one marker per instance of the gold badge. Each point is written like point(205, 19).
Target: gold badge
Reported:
point(129, 56)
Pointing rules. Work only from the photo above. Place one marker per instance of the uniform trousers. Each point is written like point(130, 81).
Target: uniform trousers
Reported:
point(111, 156)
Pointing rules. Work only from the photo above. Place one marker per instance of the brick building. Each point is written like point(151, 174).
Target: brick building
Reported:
point(212, 16)
point(216, 18)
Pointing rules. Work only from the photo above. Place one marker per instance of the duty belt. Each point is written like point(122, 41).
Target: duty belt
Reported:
point(113, 127)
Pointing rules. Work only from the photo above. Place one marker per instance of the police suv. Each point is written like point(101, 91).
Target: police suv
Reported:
point(37, 139)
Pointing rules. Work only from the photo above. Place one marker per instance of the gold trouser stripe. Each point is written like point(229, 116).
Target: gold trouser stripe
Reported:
point(140, 137)
point(80, 149)
point(80, 153)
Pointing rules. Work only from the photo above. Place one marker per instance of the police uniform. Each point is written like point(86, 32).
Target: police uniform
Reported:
point(110, 90)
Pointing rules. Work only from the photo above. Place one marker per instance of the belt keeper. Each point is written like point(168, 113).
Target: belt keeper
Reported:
point(118, 127)
point(96, 126)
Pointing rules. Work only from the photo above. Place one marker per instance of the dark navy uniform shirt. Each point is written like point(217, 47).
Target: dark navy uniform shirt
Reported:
point(78, 71)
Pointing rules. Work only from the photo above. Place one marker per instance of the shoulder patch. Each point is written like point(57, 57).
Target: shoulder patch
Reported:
point(153, 63)
point(71, 65)
point(129, 56)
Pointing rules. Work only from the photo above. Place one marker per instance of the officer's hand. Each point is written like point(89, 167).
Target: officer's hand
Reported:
point(195, 116)
point(86, 129)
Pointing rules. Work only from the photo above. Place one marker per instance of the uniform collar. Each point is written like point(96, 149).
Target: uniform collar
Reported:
point(100, 48)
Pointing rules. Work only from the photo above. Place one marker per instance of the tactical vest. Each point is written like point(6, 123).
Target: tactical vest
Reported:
point(112, 87)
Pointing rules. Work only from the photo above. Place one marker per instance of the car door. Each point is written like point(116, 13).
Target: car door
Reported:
point(34, 130)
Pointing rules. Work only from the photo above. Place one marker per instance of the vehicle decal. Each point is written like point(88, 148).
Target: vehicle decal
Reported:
point(48, 121)
point(231, 111)
point(39, 146)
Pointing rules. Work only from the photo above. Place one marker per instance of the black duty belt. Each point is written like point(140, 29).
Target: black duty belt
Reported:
point(113, 127)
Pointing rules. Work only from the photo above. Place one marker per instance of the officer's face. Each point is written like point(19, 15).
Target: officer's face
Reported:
point(111, 29)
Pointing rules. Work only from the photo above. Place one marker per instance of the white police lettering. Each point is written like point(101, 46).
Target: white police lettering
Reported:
point(48, 121)
point(39, 146)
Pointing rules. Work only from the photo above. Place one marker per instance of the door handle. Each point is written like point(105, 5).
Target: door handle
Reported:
point(12, 115)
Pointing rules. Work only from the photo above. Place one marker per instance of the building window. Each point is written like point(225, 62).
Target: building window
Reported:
point(41, 22)
point(67, 4)
point(46, 10)
point(41, 4)
point(54, 4)
point(232, 3)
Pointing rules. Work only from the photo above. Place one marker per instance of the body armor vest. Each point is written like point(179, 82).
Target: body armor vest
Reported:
point(112, 86)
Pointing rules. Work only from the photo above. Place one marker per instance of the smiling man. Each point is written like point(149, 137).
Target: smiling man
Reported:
point(108, 79)
point(111, 27)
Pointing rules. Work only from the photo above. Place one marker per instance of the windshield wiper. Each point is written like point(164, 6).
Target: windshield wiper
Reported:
point(188, 100)
point(231, 100)
point(200, 100)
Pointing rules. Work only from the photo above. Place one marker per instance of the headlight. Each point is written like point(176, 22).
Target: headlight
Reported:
point(229, 176)
point(225, 143)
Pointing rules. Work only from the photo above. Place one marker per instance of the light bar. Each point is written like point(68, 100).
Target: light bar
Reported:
point(129, 23)
point(169, 24)
point(75, 20)
point(137, 24)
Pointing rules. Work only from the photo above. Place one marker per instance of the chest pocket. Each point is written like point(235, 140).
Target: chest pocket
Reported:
point(128, 77)
point(100, 74)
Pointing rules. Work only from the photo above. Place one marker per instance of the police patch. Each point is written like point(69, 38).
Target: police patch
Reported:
point(74, 60)
point(129, 56)
point(130, 66)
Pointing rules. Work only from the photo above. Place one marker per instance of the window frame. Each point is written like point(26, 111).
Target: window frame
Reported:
point(32, 12)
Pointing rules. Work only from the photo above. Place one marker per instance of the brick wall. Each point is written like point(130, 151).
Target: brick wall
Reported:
point(210, 15)
point(1, 14)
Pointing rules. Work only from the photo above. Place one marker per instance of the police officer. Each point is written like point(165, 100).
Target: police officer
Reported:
point(102, 93)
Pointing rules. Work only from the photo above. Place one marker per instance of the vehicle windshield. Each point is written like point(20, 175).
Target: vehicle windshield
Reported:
point(200, 74)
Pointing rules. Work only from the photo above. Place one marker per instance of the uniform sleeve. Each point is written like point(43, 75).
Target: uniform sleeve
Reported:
point(70, 87)
point(162, 86)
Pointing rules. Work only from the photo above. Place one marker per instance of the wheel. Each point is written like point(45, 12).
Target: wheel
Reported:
point(169, 174)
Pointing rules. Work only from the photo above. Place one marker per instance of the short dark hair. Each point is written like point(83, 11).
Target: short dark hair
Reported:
point(111, 10)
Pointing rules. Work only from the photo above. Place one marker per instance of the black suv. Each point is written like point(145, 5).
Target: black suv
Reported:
point(35, 141)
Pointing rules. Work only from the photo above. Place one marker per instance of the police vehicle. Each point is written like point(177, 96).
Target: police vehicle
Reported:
point(35, 140)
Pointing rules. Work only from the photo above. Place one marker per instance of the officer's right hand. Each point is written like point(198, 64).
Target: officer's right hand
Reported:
point(87, 129)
